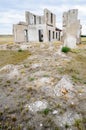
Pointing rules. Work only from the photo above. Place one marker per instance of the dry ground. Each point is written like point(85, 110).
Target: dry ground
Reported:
point(38, 76)
point(12, 57)
point(6, 39)
point(83, 39)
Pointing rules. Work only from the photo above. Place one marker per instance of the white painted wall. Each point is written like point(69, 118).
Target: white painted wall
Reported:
point(34, 24)
point(70, 41)
point(33, 32)
point(52, 29)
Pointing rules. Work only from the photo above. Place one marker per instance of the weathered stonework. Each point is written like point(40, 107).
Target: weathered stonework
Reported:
point(37, 28)
point(20, 32)
point(71, 28)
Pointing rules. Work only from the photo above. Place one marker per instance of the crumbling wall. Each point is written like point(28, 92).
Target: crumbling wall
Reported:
point(20, 32)
point(36, 25)
point(37, 28)
point(50, 18)
point(71, 28)
point(32, 19)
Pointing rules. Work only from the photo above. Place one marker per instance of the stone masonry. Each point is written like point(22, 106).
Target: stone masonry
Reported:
point(71, 28)
point(37, 28)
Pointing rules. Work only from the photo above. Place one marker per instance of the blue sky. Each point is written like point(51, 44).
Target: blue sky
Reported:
point(13, 11)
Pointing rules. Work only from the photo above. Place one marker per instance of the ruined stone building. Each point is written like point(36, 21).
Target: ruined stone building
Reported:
point(71, 28)
point(37, 28)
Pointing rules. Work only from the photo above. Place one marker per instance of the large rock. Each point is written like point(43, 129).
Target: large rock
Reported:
point(68, 117)
point(10, 71)
point(63, 87)
point(37, 106)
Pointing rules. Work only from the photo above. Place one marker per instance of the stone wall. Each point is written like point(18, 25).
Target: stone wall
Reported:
point(32, 19)
point(20, 32)
point(37, 28)
point(71, 28)
point(50, 18)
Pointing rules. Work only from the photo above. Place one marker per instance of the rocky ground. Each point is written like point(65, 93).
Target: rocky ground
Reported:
point(46, 91)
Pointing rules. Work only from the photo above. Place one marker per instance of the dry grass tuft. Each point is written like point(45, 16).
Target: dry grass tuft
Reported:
point(76, 68)
point(12, 57)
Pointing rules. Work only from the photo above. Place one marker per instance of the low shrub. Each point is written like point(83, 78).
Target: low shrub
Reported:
point(20, 50)
point(65, 49)
point(46, 111)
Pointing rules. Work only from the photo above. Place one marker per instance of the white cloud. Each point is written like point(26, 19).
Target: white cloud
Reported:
point(16, 11)
point(11, 17)
point(8, 19)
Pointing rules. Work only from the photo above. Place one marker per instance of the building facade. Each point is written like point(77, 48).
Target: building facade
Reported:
point(37, 28)
point(71, 28)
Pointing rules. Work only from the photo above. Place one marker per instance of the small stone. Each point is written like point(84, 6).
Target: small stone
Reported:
point(54, 112)
point(72, 105)
point(41, 125)
point(13, 117)
point(64, 91)
point(6, 107)
point(37, 106)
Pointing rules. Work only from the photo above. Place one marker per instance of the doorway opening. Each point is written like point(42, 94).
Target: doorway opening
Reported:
point(26, 35)
point(49, 35)
point(40, 35)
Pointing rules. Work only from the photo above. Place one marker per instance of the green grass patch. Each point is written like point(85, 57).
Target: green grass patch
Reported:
point(31, 79)
point(79, 124)
point(20, 50)
point(67, 126)
point(12, 57)
point(46, 111)
point(65, 49)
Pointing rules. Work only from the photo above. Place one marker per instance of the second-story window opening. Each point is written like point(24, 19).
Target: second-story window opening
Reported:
point(51, 18)
point(34, 19)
